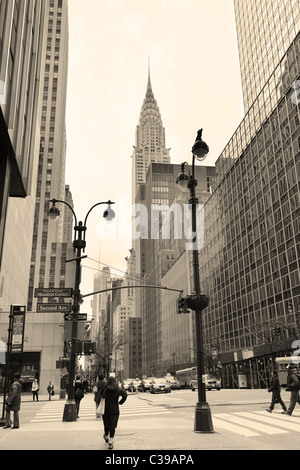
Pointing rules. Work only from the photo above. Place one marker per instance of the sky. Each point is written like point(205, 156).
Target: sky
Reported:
point(191, 46)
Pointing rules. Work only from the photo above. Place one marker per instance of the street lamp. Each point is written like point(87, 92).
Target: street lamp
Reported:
point(79, 244)
point(197, 302)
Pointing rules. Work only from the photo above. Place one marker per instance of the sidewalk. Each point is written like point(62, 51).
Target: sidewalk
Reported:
point(133, 435)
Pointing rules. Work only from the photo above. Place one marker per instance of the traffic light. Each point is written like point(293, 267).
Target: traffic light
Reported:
point(89, 347)
point(85, 347)
point(181, 305)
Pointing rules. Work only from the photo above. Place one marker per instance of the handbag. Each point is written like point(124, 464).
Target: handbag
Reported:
point(101, 408)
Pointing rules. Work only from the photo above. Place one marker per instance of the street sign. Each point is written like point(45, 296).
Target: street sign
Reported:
point(44, 308)
point(53, 292)
point(75, 316)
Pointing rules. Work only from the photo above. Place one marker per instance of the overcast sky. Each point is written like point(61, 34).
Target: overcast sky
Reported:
point(195, 78)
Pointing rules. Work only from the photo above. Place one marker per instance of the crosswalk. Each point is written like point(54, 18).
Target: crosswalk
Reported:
point(256, 423)
point(53, 411)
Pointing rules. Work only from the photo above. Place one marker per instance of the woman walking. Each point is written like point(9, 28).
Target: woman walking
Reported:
point(111, 392)
point(78, 394)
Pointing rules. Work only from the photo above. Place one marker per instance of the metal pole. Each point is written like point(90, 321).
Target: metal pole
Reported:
point(70, 413)
point(203, 421)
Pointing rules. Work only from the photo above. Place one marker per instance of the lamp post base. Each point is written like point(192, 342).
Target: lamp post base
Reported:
point(70, 413)
point(203, 421)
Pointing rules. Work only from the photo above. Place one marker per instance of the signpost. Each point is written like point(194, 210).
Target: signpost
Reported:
point(58, 308)
point(76, 316)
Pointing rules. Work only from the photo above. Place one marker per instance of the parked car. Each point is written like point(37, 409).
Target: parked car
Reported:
point(174, 383)
point(128, 385)
point(160, 385)
point(145, 384)
point(211, 383)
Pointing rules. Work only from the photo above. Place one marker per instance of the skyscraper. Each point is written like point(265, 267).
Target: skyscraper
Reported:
point(154, 190)
point(252, 272)
point(35, 250)
point(22, 33)
point(150, 145)
point(265, 32)
point(52, 154)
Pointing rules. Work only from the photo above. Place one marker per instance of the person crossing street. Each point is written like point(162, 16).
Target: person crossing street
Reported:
point(293, 385)
point(275, 389)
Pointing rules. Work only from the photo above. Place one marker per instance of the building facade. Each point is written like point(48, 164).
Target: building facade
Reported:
point(249, 264)
point(166, 235)
point(22, 37)
point(41, 248)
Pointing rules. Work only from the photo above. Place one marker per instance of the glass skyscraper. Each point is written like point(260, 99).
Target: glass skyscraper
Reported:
point(250, 262)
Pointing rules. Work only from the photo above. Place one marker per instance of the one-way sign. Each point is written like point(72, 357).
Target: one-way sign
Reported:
point(75, 316)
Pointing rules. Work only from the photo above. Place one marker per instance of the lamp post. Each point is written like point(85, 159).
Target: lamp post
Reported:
point(197, 302)
point(79, 244)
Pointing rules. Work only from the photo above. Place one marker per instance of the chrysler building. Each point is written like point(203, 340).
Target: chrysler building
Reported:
point(150, 146)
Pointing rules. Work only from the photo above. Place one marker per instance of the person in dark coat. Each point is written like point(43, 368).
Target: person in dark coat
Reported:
point(293, 387)
point(100, 385)
point(78, 393)
point(111, 392)
point(275, 389)
point(13, 402)
point(50, 390)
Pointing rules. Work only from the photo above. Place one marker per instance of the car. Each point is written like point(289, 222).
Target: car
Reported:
point(211, 383)
point(145, 384)
point(128, 385)
point(174, 383)
point(160, 385)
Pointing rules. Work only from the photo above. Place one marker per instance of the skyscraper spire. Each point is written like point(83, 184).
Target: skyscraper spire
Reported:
point(149, 80)
point(150, 139)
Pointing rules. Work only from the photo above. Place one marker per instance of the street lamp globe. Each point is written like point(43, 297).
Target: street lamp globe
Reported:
point(200, 148)
point(182, 180)
point(53, 212)
point(109, 214)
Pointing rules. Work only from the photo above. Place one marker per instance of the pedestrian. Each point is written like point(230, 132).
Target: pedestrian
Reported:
point(50, 390)
point(35, 389)
point(111, 393)
point(78, 394)
point(99, 387)
point(275, 389)
point(293, 387)
point(13, 402)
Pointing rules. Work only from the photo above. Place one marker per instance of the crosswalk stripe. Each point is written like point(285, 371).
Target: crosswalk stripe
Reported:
point(250, 424)
point(275, 420)
point(54, 411)
point(233, 427)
